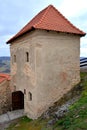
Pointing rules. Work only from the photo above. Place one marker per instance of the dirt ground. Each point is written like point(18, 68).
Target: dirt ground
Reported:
point(4, 125)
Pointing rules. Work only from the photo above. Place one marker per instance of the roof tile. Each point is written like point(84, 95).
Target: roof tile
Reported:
point(49, 19)
point(4, 77)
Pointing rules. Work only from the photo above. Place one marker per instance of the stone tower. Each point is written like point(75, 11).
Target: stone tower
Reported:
point(45, 60)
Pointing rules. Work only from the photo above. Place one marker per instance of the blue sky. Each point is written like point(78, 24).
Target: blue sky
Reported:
point(15, 14)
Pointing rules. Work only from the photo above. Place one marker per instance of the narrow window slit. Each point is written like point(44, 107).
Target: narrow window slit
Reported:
point(27, 56)
point(30, 96)
point(14, 58)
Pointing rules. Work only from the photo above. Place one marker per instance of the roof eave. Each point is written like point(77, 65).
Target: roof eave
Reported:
point(33, 28)
point(16, 37)
point(81, 34)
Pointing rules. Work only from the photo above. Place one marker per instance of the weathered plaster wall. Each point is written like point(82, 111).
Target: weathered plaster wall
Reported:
point(5, 97)
point(52, 70)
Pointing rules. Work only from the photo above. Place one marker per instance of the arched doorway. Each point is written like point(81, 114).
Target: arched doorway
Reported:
point(17, 100)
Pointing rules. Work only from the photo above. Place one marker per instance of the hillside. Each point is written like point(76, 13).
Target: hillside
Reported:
point(74, 119)
point(4, 64)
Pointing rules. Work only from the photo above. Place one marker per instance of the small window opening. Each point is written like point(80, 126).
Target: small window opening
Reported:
point(24, 91)
point(30, 96)
point(27, 56)
point(14, 88)
point(14, 58)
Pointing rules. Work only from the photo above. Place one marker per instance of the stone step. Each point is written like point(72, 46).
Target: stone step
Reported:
point(11, 115)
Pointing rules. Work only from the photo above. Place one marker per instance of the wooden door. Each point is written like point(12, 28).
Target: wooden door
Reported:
point(17, 100)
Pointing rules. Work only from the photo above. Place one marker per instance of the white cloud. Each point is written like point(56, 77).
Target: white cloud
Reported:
point(15, 14)
point(4, 38)
point(72, 8)
point(4, 49)
point(84, 42)
point(83, 49)
point(83, 52)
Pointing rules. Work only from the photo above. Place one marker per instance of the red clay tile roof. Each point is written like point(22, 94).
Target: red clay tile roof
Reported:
point(49, 19)
point(4, 77)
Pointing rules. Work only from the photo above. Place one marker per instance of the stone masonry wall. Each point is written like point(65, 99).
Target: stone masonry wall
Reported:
point(57, 66)
point(53, 68)
point(5, 97)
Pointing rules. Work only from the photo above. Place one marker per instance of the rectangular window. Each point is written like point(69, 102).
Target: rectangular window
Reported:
point(24, 91)
point(14, 58)
point(30, 96)
point(27, 56)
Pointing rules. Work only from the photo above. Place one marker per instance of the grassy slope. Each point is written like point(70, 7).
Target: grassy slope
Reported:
point(76, 119)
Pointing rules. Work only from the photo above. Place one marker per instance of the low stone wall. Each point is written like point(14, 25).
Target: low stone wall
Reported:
point(5, 97)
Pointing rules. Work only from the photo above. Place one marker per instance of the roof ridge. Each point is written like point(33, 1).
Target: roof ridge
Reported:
point(34, 18)
point(67, 20)
point(46, 11)
point(29, 22)
point(49, 19)
point(60, 15)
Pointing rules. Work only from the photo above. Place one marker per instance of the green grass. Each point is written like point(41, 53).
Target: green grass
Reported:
point(25, 123)
point(75, 119)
